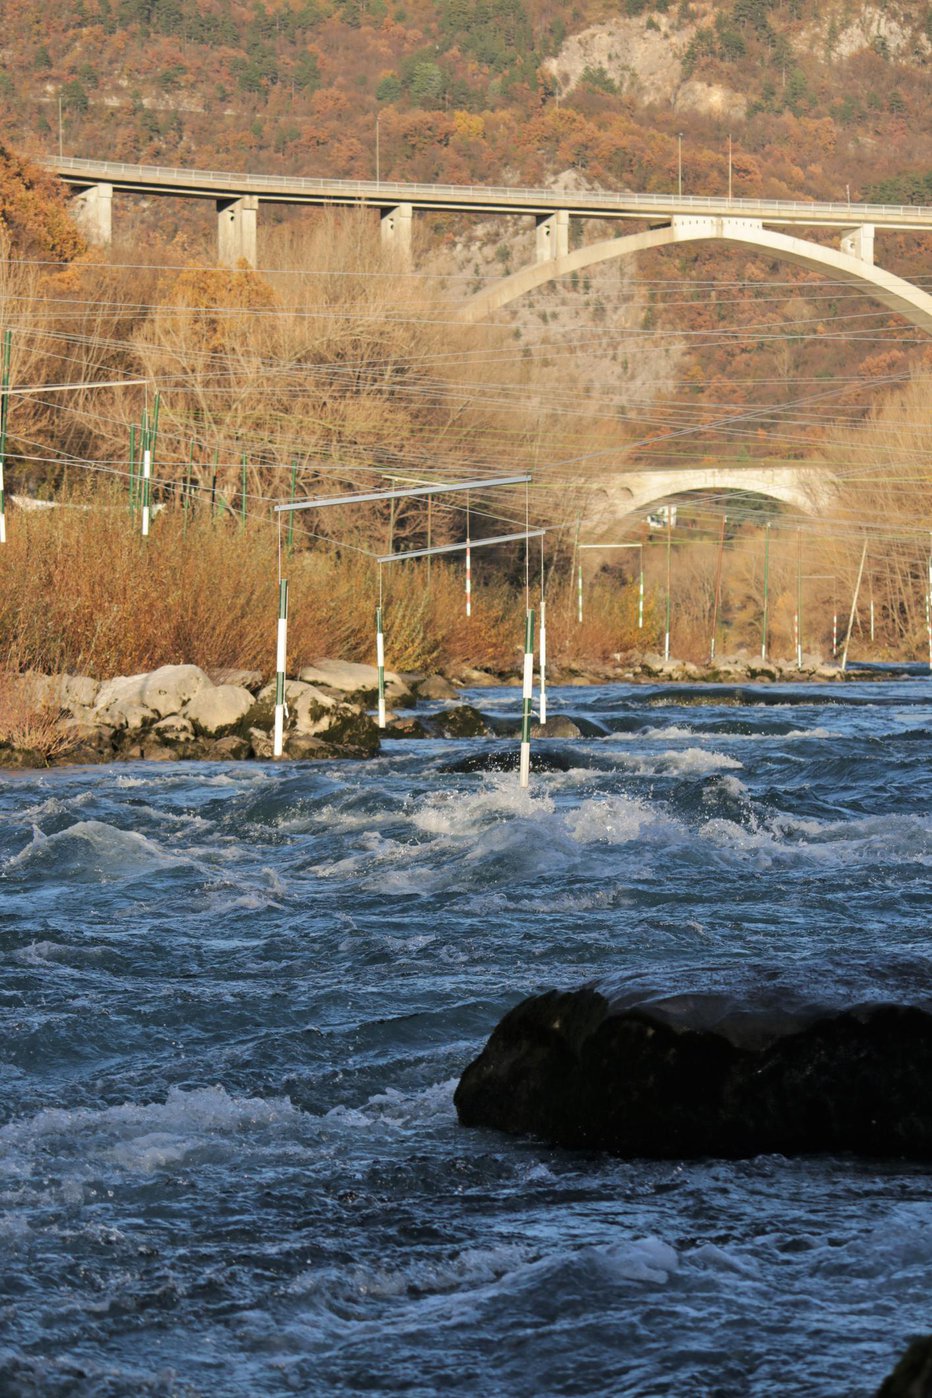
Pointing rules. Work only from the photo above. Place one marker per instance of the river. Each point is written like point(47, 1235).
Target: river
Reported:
point(236, 1000)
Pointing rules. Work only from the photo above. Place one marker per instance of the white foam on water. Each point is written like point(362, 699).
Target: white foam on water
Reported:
point(100, 849)
point(139, 1138)
point(462, 813)
point(398, 1110)
point(649, 1260)
point(681, 762)
point(53, 954)
point(617, 820)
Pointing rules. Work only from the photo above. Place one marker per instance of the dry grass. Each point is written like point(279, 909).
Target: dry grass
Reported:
point(82, 591)
point(29, 721)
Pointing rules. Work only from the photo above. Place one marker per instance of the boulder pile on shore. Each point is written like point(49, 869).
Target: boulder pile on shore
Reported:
point(182, 711)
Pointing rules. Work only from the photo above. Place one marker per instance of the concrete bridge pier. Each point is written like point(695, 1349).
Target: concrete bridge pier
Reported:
point(236, 230)
point(553, 235)
point(93, 213)
point(859, 243)
point(396, 231)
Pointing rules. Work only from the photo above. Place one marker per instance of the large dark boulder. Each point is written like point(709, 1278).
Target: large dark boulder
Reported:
point(912, 1377)
point(747, 1065)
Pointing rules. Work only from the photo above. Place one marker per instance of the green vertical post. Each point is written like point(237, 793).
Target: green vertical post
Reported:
point(641, 591)
point(666, 638)
point(242, 497)
point(799, 601)
point(527, 695)
point(763, 634)
point(294, 485)
point(281, 660)
point(380, 663)
point(4, 419)
point(213, 483)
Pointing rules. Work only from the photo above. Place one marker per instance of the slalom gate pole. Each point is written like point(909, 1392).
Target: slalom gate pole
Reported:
point(280, 666)
point(641, 593)
point(527, 694)
point(380, 662)
point(718, 590)
point(834, 634)
point(798, 624)
point(543, 661)
point(468, 580)
point(763, 634)
point(468, 563)
point(666, 637)
point(4, 416)
point(543, 640)
point(146, 483)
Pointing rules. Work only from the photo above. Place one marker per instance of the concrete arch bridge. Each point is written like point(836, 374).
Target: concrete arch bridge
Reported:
point(804, 489)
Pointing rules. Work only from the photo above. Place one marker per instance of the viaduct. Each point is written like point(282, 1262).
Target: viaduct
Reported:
point(769, 226)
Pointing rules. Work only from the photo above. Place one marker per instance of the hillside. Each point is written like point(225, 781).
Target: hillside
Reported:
point(815, 97)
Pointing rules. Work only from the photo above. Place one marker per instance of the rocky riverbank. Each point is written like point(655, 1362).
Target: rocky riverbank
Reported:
point(183, 711)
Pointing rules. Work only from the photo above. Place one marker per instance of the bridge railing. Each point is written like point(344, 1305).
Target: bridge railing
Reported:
point(101, 170)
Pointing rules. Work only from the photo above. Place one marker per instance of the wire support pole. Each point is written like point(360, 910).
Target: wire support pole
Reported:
point(854, 605)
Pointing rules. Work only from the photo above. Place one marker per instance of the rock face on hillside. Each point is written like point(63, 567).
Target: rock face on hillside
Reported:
point(733, 1066)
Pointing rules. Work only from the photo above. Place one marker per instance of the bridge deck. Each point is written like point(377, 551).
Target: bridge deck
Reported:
point(383, 194)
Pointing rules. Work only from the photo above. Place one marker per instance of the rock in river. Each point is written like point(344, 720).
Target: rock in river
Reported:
point(738, 1065)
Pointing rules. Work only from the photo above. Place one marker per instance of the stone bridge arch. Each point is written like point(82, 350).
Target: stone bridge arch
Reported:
point(852, 265)
point(806, 490)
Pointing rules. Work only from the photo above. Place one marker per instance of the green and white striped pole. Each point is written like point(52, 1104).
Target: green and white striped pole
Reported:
point(146, 480)
point(641, 594)
point(468, 562)
point(4, 414)
point(543, 661)
point(543, 639)
point(527, 694)
point(763, 634)
point(281, 661)
point(380, 663)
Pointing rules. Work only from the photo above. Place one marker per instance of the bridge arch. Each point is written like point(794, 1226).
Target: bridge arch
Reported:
point(892, 291)
point(806, 490)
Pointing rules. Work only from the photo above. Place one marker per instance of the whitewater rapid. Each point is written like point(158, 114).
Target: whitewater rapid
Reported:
point(236, 1000)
